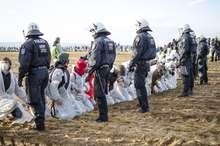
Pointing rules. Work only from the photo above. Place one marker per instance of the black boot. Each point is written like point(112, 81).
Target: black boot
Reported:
point(40, 128)
point(100, 120)
point(183, 95)
point(143, 110)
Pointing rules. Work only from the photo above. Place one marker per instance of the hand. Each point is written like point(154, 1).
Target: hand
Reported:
point(131, 69)
point(20, 83)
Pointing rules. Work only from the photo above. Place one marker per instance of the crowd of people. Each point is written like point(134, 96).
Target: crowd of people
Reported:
point(53, 89)
point(65, 47)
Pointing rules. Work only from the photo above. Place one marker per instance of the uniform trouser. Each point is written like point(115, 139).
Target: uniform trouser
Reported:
point(140, 75)
point(188, 81)
point(217, 55)
point(203, 71)
point(194, 66)
point(192, 77)
point(212, 55)
point(36, 83)
point(100, 91)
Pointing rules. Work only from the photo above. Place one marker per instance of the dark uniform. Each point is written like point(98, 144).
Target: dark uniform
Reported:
point(34, 58)
point(101, 59)
point(203, 51)
point(194, 58)
point(144, 50)
point(215, 53)
point(186, 62)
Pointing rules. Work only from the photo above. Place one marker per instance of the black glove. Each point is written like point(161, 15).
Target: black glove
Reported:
point(131, 68)
point(20, 83)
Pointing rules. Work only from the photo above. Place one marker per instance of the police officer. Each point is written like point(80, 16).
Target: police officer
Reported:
point(203, 51)
point(34, 59)
point(213, 47)
point(101, 59)
point(144, 49)
point(194, 58)
point(215, 53)
point(186, 62)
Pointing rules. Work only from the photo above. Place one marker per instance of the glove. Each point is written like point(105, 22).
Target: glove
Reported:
point(131, 68)
point(20, 83)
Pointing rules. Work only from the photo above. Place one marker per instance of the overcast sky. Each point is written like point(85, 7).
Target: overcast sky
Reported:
point(70, 19)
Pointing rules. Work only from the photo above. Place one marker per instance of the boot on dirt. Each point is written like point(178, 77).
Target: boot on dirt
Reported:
point(191, 92)
point(183, 95)
point(40, 127)
point(143, 111)
point(101, 120)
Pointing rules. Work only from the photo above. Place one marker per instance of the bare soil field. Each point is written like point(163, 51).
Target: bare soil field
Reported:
point(173, 121)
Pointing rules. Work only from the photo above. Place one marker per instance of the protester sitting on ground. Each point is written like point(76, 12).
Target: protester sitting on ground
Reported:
point(78, 85)
point(61, 104)
point(12, 97)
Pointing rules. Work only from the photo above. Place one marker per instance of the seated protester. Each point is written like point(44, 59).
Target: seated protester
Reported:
point(114, 94)
point(148, 83)
point(90, 88)
point(157, 72)
point(131, 88)
point(78, 86)
point(130, 78)
point(171, 74)
point(113, 75)
point(123, 83)
point(9, 89)
point(6, 107)
point(61, 103)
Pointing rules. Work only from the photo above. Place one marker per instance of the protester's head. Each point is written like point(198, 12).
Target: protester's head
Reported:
point(63, 59)
point(57, 41)
point(5, 65)
point(81, 67)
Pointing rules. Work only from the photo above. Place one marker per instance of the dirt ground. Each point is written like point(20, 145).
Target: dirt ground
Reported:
point(172, 121)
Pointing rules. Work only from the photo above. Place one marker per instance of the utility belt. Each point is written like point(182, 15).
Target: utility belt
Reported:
point(104, 66)
point(38, 68)
point(143, 62)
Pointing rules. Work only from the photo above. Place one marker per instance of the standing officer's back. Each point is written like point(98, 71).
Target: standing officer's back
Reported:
point(34, 59)
point(101, 59)
point(186, 63)
point(144, 50)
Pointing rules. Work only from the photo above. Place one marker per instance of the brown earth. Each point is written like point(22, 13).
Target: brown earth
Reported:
point(172, 121)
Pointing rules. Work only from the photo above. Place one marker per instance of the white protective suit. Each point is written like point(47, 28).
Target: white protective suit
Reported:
point(14, 97)
point(78, 89)
point(66, 106)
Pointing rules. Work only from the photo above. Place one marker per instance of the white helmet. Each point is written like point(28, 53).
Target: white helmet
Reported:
point(98, 28)
point(33, 30)
point(142, 24)
point(187, 28)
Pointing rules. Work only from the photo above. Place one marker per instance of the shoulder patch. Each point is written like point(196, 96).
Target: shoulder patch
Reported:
point(152, 41)
point(22, 51)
